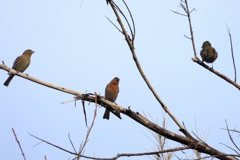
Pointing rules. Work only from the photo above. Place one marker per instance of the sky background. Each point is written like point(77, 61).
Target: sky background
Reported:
point(76, 47)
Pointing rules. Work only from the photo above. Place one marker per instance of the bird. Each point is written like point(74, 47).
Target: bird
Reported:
point(20, 64)
point(208, 53)
point(111, 93)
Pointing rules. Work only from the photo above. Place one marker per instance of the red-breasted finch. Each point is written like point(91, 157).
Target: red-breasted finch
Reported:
point(20, 64)
point(208, 53)
point(111, 93)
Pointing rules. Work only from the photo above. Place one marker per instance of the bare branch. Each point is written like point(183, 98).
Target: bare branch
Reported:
point(26, 76)
point(71, 143)
point(216, 72)
point(187, 37)
point(149, 153)
point(230, 148)
point(233, 130)
point(42, 140)
point(181, 14)
point(184, 5)
point(234, 66)
point(133, 23)
point(89, 131)
point(19, 145)
point(114, 25)
point(120, 11)
point(231, 136)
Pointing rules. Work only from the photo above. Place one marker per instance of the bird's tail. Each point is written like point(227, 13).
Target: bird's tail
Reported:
point(106, 114)
point(6, 83)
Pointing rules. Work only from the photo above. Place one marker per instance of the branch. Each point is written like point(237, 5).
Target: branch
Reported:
point(184, 6)
point(118, 155)
point(26, 76)
point(234, 66)
point(71, 143)
point(150, 153)
point(132, 49)
point(216, 72)
point(231, 137)
point(19, 145)
point(88, 132)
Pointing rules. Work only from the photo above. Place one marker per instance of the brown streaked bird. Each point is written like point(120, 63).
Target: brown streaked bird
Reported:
point(208, 53)
point(111, 93)
point(20, 64)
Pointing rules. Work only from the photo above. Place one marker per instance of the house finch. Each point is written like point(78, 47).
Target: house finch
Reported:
point(208, 53)
point(20, 64)
point(111, 93)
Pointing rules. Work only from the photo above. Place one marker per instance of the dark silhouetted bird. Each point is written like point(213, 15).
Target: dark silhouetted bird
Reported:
point(208, 53)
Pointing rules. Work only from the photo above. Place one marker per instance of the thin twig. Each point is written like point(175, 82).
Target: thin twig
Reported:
point(114, 24)
point(120, 11)
point(181, 14)
point(19, 145)
point(234, 66)
point(42, 140)
point(89, 130)
point(230, 148)
point(231, 136)
point(71, 143)
point(200, 139)
point(233, 130)
point(186, 9)
point(133, 23)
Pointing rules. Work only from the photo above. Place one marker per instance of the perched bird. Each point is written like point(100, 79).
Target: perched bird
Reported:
point(20, 64)
point(208, 53)
point(111, 93)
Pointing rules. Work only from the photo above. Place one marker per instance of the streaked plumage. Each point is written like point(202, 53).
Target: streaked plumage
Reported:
point(20, 64)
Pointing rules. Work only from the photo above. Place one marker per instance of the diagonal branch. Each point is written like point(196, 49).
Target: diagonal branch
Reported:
point(19, 145)
point(216, 72)
point(132, 49)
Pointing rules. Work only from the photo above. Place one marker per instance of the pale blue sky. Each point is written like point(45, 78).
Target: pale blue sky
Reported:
point(77, 48)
